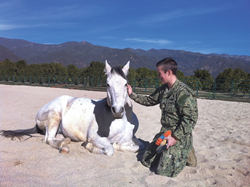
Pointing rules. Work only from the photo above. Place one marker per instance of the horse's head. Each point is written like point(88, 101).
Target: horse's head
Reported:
point(117, 95)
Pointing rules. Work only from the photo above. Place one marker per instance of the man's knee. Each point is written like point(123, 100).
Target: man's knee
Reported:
point(170, 170)
point(170, 165)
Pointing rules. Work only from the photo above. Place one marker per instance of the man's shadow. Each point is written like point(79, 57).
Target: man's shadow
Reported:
point(140, 153)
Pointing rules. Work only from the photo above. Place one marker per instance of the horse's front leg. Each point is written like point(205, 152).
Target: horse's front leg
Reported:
point(100, 145)
point(128, 142)
point(54, 140)
point(126, 146)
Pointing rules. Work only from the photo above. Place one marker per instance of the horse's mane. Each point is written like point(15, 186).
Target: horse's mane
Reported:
point(119, 71)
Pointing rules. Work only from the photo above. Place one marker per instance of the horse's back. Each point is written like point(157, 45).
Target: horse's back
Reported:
point(55, 106)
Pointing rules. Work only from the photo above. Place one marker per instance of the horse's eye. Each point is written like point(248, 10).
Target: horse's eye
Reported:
point(107, 85)
point(126, 84)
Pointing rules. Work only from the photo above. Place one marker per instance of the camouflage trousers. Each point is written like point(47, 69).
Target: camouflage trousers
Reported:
point(171, 161)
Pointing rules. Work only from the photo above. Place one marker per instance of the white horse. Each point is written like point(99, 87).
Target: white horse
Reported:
point(103, 125)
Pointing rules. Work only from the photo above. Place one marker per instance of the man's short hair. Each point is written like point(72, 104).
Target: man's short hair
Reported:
point(168, 64)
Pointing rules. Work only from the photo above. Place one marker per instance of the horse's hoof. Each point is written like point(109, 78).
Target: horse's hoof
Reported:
point(64, 150)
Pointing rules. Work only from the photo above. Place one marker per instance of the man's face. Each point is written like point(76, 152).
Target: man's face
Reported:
point(163, 76)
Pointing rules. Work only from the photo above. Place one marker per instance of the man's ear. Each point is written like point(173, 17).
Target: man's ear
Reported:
point(169, 72)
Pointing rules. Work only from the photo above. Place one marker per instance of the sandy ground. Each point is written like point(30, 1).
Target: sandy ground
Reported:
point(221, 141)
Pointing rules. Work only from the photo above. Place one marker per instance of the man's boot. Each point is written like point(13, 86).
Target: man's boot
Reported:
point(192, 160)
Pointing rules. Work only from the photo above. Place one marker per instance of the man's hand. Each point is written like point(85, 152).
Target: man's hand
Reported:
point(129, 89)
point(171, 141)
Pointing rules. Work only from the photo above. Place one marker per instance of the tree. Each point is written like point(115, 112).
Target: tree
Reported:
point(233, 80)
point(180, 75)
point(205, 78)
point(94, 73)
point(145, 76)
point(72, 70)
point(34, 70)
point(9, 66)
point(73, 73)
point(193, 82)
point(131, 75)
point(95, 69)
point(21, 66)
point(58, 69)
point(3, 70)
point(203, 74)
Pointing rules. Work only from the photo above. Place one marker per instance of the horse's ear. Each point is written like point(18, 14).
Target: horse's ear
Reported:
point(126, 68)
point(107, 68)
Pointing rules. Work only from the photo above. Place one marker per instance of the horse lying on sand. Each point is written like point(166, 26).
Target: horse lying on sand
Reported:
point(103, 125)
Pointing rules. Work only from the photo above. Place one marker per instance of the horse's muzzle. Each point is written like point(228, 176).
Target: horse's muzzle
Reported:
point(118, 112)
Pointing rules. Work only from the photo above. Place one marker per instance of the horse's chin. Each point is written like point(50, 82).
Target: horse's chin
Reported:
point(118, 117)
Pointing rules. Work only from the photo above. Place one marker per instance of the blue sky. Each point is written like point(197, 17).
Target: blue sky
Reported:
point(205, 26)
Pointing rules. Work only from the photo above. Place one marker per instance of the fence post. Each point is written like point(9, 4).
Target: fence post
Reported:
point(197, 89)
point(49, 81)
point(30, 80)
point(98, 82)
point(13, 79)
point(215, 85)
point(134, 85)
point(214, 90)
point(232, 87)
point(84, 87)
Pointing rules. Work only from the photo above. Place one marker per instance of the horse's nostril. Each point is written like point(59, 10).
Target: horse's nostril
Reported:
point(121, 110)
point(117, 110)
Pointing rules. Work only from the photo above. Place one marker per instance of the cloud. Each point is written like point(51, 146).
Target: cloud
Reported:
point(156, 18)
point(143, 40)
point(5, 27)
point(68, 12)
point(19, 14)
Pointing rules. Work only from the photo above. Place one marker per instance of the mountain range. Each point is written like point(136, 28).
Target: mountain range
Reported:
point(81, 54)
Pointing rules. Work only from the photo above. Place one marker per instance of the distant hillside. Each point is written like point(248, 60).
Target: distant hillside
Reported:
point(83, 53)
point(6, 53)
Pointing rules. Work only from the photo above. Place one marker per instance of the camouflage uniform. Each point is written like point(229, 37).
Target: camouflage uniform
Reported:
point(179, 114)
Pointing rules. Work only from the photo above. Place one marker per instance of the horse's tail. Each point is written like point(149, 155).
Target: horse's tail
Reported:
point(19, 133)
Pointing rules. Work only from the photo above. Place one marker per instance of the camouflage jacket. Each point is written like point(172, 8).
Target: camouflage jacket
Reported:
point(178, 106)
